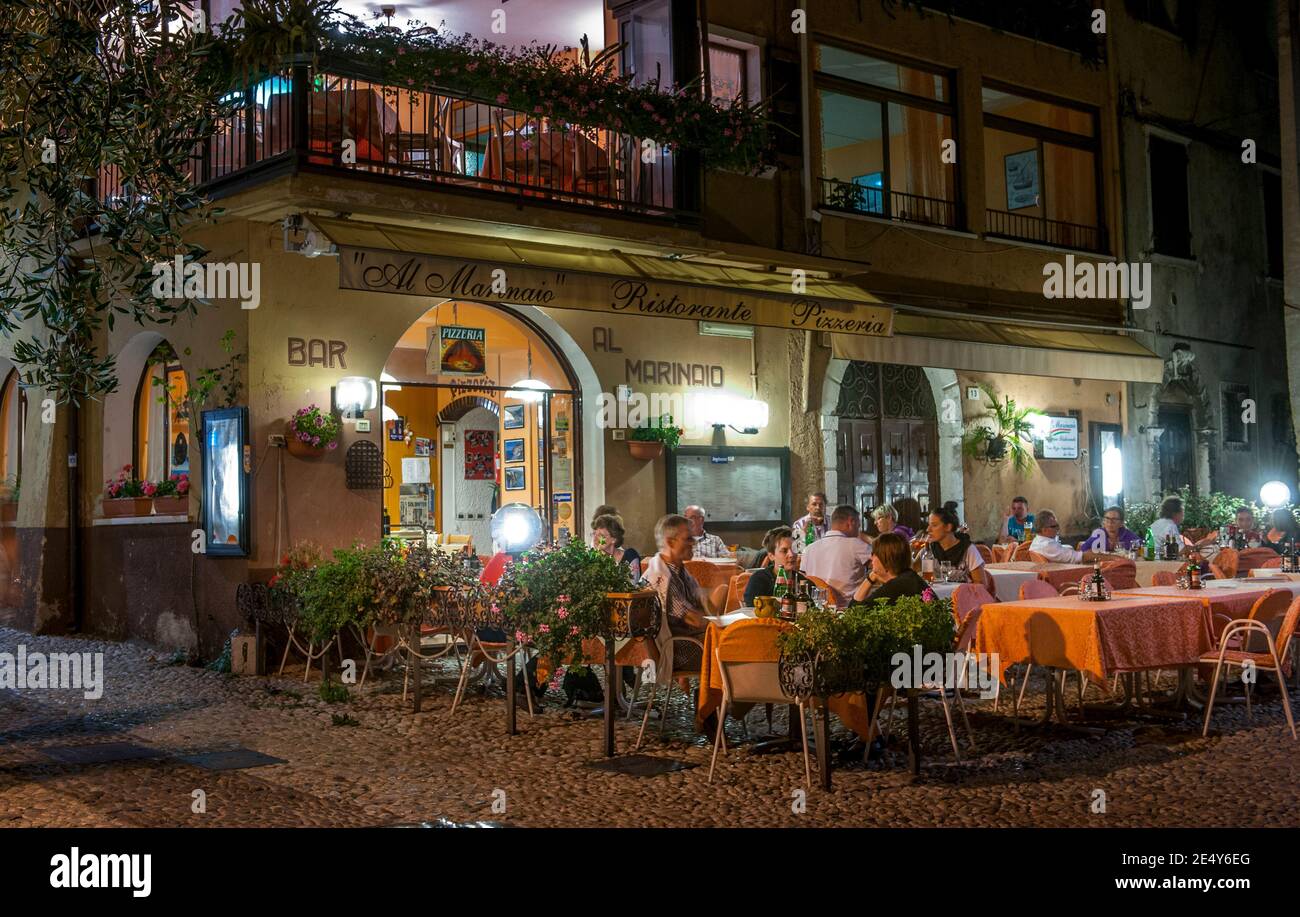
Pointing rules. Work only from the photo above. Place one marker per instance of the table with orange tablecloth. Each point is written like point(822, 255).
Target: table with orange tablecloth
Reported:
point(1267, 573)
point(1125, 634)
point(755, 641)
point(1233, 602)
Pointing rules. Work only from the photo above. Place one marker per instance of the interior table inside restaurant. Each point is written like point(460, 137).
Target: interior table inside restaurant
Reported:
point(1128, 633)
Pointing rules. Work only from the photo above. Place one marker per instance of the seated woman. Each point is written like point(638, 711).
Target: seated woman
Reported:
point(779, 545)
point(1282, 531)
point(1113, 534)
point(886, 519)
point(607, 535)
point(892, 575)
point(947, 545)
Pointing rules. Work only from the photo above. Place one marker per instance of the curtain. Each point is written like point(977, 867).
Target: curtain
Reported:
point(922, 171)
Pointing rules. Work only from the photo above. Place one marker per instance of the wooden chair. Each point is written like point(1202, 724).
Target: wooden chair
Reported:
point(1120, 573)
point(980, 577)
point(757, 683)
point(1021, 551)
point(1036, 557)
point(1272, 562)
point(985, 552)
point(1003, 552)
point(1268, 661)
point(967, 599)
point(1225, 563)
point(1032, 589)
point(1251, 558)
point(685, 665)
point(820, 583)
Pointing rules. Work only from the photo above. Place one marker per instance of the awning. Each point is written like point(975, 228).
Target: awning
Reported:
point(994, 347)
point(420, 262)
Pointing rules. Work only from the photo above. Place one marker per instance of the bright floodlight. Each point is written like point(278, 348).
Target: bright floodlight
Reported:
point(1275, 494)
point(516, 527)
point(528, 390)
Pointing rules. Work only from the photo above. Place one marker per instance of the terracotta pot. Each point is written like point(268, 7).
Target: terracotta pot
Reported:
point(171, 506)
point(644, 450)
point(128, 506)
point(302, 450)
point(9, 511)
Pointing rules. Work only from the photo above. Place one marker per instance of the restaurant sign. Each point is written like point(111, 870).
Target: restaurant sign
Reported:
point(454, 278)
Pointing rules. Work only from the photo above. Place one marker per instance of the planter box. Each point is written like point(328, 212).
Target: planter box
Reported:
point(300, 449)
point(633, 614)
point(645, 451)
point(129, 506)
point(171, 506)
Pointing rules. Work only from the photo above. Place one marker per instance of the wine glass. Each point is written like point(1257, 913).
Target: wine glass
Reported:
point(945, 571)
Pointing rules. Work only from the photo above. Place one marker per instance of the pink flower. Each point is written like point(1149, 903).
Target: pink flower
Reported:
point(502, 98)
point(520, 636)
point(332, 446)
point(562, 613)
point(544, 628)
point(315, 440)
point(149, 488)
point(927, 595)
point(573, 631)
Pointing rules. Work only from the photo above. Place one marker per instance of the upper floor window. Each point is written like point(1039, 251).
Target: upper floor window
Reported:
point(1171, 232)
point(647, 34)
point(1041, 170)
point(733, 70)
point(1272, 187)
point(887, 138)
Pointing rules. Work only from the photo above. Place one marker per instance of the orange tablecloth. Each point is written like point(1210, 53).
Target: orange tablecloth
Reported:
point(754, 640)
point(1235, 603)
point(1128, 634)
point(1259, 573)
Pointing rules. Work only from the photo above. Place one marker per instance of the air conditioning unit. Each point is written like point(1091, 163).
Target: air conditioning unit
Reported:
point(313, 242)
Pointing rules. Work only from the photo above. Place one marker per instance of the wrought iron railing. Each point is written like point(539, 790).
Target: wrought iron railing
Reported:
point(330, 119)
point(893, 205)
point(1049, 232)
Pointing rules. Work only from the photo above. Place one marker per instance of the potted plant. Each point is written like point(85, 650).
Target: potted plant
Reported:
point(647, 443)
point(9, 500)
point(312, 432)
point(172, 496)
point(1003, 431)
point(124, 495)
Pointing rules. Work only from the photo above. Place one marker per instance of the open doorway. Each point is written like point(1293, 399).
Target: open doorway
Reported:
point(479, 411)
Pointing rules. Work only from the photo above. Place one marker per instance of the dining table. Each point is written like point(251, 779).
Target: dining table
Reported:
point(1007, 577)
point(1124, 634)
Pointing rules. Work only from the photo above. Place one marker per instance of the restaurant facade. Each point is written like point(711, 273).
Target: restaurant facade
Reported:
point(833, 323)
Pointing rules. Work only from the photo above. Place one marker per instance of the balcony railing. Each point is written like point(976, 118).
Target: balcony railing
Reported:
point(893, 205)
point(1049, 232)
point(333, 121)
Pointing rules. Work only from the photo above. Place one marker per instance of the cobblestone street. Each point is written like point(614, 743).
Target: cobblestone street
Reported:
point(397, 767)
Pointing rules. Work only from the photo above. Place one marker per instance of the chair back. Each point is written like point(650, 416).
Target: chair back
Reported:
point(1251, 558)
point(1226, 562)
point(1038, 558)
point(1271, 607)
point(1070, 589)
point(1271, 562)
point(1021, 551)
point(968, 601)
point(1037, 589)
point(1003, 552)
point(1120, 573)
point(736, 590)
point(710, 575)
point(1287, 631)
point(985, 552)
point(1163, 578)
point(745, 678)
point(820, 583)
point(982, 577)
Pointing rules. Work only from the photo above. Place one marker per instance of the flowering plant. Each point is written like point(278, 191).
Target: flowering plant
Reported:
point(177, 485)
point(125, 486)
point(664, 431)
point(316, 428)
point(558, 598)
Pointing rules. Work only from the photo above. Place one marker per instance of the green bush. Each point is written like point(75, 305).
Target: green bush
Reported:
point(337, 594)
point(1199, 512)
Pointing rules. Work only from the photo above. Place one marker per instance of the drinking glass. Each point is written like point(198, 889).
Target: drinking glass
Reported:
point(945, 572)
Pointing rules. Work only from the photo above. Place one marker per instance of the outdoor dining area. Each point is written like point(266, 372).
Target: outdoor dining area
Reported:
point(1087, 647)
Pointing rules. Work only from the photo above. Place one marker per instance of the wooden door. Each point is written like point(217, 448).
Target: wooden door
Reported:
point(1175, 449)
point(923, 440)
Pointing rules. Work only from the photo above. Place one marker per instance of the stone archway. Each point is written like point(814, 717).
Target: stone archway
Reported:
point(1181, 386)
point(944, 389)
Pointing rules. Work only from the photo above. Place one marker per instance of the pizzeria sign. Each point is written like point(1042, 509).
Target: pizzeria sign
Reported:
point(455, 278)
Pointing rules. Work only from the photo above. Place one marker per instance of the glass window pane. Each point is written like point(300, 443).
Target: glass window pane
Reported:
point(1033, 111)
point(885, 74)
point(852, 152)
point(916, 166)
point(1011, 174)
point(726, 73)
point(1070, 183)
point(649, 54)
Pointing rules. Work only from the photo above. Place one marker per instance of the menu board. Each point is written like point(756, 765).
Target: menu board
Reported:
point(737, 487)
point(1060, 438)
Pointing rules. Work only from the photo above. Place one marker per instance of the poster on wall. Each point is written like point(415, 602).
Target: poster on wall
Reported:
point(514, 451)
point(480, 455)
point(562, 474)
point(512, 417)
point(397, 429)
point(515, 478)
point(1022, 179)
point(1060, 438)
point(422, 444)
point(178, 451)
point(460, 350)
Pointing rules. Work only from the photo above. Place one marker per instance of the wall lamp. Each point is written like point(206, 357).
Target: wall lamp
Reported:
point(354, 395)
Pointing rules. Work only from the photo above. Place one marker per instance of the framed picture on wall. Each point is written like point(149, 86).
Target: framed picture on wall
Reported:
point(514, 450)
point(1022, 179)
point(512, 417)
point(515, 478)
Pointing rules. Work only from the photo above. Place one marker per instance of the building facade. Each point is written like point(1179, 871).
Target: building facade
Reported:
point(512, 291)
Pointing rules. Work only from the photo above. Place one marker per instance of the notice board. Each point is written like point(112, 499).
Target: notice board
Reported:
point(739, 486)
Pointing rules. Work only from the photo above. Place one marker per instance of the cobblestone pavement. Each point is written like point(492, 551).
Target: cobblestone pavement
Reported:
point(397, 767)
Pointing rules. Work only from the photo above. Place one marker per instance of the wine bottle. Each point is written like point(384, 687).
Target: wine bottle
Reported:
point(781, 587)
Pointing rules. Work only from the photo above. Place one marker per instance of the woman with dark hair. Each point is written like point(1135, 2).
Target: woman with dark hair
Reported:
point(908, 514)
point(1282, 531)
point(892, 575)
point(948, 545)
point(778, 543)
point(607, 535)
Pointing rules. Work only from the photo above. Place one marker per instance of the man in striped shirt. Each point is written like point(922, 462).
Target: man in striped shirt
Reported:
point(706, 545)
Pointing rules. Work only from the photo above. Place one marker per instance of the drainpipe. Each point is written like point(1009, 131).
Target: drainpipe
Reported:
point(74, 516)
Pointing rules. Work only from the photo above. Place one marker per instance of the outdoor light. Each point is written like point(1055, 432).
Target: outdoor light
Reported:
point(1040, 424)
point(744, 415)
point(516, 527)
point(354, 395)
point(1275, 494)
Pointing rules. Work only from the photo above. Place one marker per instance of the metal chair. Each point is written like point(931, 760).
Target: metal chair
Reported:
point(679, 671)
point(758, 683)
point(1268, 661)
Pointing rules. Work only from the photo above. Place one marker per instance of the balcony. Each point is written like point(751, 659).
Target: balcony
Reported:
point(1028, 228)
point(336, 121)
point(849, 197)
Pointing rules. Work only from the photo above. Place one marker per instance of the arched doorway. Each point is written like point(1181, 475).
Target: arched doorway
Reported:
point(480, 409)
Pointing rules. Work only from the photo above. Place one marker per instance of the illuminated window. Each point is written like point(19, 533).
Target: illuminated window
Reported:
point(13, 421)
point(162, 428)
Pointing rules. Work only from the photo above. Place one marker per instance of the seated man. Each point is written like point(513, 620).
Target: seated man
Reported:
point(684, 600)
point(779, 545)
point(839, 558)
point(815, 520)
point(1013, 526)
point(706, 544)
point(1048, 543)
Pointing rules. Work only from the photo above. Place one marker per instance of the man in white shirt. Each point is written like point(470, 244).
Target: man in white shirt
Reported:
point(1048, 542)
point(706, 545)
point(815, 520)
point(840, 557)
